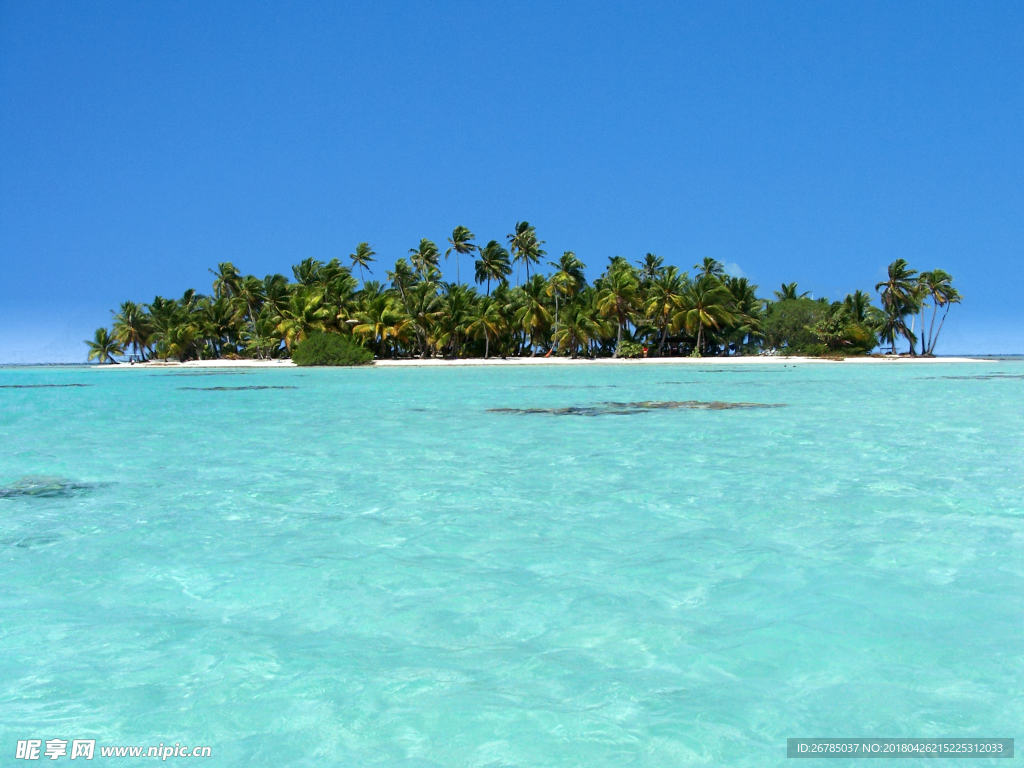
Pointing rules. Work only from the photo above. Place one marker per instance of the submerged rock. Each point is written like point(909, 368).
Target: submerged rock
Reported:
point(40, 386)
point(29, 542)
point(43, 487)
point(612, 408)
point(229, 389)
point(979, 376)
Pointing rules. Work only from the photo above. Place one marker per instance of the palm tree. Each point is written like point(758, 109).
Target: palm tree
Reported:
point(362, 257)
point(493, 264)
point(461, 242)
point(339, 288)
point(276, 292)
point(705, 304)
point(161, 317)
point(455, 317)
point(487, 320)
point(103, 347)
point(423, 305)
point(569, 271)
point(788, 293)
point(177, 325)
point(567, 280)
point(131, 328)
point(508, 302)
point(533, 316)
point(710, 268)
point(856, 305)
point(402, 278)
point(426, 256)
point(577, 330)
point(747, 311)
point(304, 314)
point(219, 326)
point(262, 339)
point(381, 321)
point(899, 298)
point(664, 298)
point(650, 268)
point(938, 284)
point(250, 295)
point(525, 246)
point(307, 272)
point(226, 280)
point(371, 289)
point(618, 297)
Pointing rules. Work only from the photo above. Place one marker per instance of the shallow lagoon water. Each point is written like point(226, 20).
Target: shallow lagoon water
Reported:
point(373, 569)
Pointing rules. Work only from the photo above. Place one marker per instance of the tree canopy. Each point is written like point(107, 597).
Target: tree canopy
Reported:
point(646, 305)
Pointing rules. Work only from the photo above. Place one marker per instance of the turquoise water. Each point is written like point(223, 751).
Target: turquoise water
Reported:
point(371, 569)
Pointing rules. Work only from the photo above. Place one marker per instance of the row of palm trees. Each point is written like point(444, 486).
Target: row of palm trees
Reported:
point(630, 309)
point(905, 293)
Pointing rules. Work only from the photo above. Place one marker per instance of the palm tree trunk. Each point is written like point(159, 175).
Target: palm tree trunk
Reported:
point(931, 327)
point(935, 338)
point(700, 339)
point(487, 344)
point(618, 341)
point(909, 336)
point(252, 323)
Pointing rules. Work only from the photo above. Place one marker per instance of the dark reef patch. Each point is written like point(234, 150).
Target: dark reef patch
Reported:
point(741, 370)
point(44, 487)
point(176, 375)
point(230, 389)
point(571, 386)
point(977, 377)
point(40, 386)
point(28, 542)
point(627, 409)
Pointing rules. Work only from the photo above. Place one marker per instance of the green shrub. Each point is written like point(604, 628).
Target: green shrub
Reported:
point(860, 339)
point(330, 349)
point(630, 349)
point(815, 350)
point(840, 334)
point(787, 325)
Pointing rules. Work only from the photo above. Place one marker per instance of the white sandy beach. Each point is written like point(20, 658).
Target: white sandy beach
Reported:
point(497, 361)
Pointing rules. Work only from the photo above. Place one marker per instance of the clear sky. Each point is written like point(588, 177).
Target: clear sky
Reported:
point(141, 143)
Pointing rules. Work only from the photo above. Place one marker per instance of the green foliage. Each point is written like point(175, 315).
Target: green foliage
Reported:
point(815, 350)
point(838, 332)
point(330, 349)
point(859, 339)
point(417, 313)
point(103, 347)
point(789, 324)
point(627, 348)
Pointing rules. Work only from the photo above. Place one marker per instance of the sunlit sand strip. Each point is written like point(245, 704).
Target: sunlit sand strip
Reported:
point(497, 361)
point(740, 360)
point(155, 364)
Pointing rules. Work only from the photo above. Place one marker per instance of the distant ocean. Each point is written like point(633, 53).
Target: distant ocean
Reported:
point(545, 566)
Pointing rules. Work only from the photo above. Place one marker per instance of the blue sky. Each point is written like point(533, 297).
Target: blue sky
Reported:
point(141, 143)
